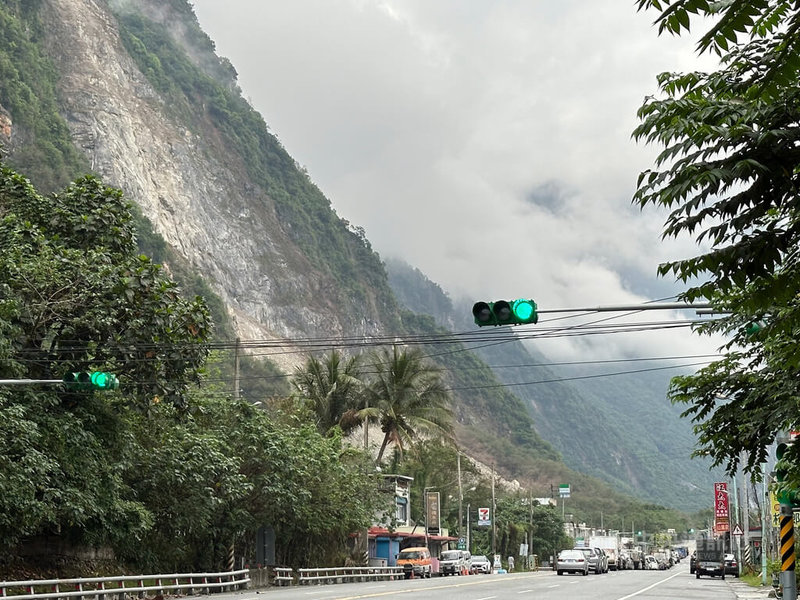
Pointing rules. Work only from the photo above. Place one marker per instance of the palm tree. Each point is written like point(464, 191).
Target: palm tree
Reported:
point(332, 388)
point(408, 398)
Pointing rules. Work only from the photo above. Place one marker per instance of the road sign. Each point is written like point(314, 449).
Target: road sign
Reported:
point(737, 530)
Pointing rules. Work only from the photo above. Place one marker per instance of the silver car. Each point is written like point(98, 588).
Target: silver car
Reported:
point(572, 561)
point(593, 559)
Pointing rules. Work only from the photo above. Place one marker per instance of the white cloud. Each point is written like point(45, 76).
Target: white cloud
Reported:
point(435, 124)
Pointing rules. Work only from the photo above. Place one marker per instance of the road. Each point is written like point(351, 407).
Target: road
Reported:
point(543, 585)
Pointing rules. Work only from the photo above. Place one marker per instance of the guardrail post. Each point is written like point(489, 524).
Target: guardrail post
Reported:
point(100, 586)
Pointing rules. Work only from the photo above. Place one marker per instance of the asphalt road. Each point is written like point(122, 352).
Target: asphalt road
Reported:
point(676, 583)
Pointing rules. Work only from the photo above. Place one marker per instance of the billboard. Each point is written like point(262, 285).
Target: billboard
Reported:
point(721, 509)
point(432, 512)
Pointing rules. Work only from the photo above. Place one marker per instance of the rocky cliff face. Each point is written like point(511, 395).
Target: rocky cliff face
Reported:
point(189, 185)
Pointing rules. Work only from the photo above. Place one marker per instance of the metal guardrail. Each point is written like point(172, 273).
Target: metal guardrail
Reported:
point(99, 587)
point(348, 574)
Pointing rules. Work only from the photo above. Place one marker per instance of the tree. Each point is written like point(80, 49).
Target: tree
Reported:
point(74, 295)
point(407, 397)
point(332, 388)
point(729, 175)
point(82, 298)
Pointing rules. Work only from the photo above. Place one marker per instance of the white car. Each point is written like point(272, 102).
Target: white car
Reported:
point(651, 563)
point(481, 564)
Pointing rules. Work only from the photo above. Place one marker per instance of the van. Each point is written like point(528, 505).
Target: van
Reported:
point(451, 562)
point(415, 561)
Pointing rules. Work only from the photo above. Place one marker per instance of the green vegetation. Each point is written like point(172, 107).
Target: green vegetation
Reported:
point(166, 472)
point(728, 175)
point(28, 92)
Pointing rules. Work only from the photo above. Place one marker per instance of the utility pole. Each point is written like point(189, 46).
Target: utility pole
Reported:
point(765, 523)
point(460, 496)
point(494, 518)
point(236, 368)
point(745, 496)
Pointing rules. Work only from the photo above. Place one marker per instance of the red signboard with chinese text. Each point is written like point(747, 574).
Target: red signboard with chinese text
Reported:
point(721, 511)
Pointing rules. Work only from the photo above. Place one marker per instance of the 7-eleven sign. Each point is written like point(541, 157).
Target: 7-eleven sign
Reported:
point(483, 516)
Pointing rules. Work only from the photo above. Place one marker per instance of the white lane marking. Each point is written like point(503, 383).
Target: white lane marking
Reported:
point(525, 592)
point(649, 587)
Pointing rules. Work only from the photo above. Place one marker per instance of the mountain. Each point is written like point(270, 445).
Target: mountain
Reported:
point(135, 93)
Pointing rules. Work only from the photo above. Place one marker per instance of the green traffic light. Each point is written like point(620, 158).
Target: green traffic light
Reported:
point(104, 381)
point(525, 311)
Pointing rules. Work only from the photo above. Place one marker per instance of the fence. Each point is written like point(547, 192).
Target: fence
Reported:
point(348, 574)
point(99, 587)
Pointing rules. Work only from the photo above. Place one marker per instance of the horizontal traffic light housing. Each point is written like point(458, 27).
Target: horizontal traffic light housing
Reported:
point(505, 312)
point(96, 380)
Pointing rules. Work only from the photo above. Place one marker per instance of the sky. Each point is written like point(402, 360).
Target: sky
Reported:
point(485, 142)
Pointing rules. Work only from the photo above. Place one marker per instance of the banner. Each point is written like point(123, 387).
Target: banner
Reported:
point(721, 510)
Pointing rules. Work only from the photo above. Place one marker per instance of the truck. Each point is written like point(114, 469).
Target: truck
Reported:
point(610, 544)
point(710, 558)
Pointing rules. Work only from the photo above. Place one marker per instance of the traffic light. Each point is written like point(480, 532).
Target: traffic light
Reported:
point(98, 380)
point(505, 312)
point(785, 493)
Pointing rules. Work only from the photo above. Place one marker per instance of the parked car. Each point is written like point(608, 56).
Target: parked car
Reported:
point(731, 566)
point(415, 561)
point(650, 563)
point(451, 562)
point(593, 558)
point(481, 564)
point(603, 559)
point(572, 561)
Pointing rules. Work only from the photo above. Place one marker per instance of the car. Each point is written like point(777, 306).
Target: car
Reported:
point(451, 562)
point(481, 564)
point(593, 558)
point(603, 559)
point(650, 563)
point(731, 566)
point(572, 561)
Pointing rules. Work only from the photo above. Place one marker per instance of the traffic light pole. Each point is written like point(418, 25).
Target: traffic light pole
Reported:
point(30, 381)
